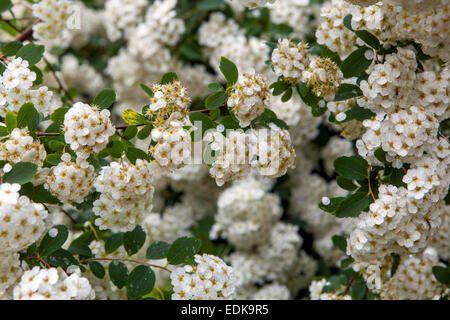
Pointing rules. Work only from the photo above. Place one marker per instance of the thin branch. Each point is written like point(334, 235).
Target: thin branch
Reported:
point(61, 86)
point(25, 35)
point(127, 260)
point(41, 260)
point(370, 186)
point(349, 284)
point(69, 216)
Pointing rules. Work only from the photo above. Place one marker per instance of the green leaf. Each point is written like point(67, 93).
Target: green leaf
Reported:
point(38, 194)
point(130, 133)
point(134, 153)
point(216, 100)
point(51, 244)
point(358, 113)
point(369, 39)
point(211, 4)
point(346, 184)
point(215, 87)
point(230, 122)
point(356, 63)
point(140, 282)
point(380, 154)
point(118, 273)
point(53, 158)
point(147, 90)
point(61, 258)
point(39, 75)
point(12, 47)
point(81, 249)
point(353, 205)
point(287, 95)
point(21, 173)
point(201, 121)
point(169, 78)
point(134, 240)
point(3, 131)
point(229, 70)
point(10, 121)
point(26, 116)
point(332, 207)
point(183, 249)
point(347, 91)
point(442, 274)
point(358, 290)
point(58, 115)
point(5, 5)
point(105, 99)
point(97, 269)
point(158, 250)
point(348, 22)
point(395, 263)
point(145, 132)
point(113, 242)
point(133, 117)
point(279, 87)
point(340, 243)
point(352, 168)
point(31, 52)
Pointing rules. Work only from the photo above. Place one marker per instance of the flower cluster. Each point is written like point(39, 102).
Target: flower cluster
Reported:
point(53, 284)
point(256, 3)
point(290, 60)
point(126, 194)
point(209, 279)
point(21, 147)
point(52, 27)
point(15, 89)
point(249, 97)
point(70, 181)
point(87, 129)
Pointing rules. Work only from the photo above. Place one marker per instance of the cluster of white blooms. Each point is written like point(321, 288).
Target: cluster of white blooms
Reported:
point(81, 76)
point(249, 97)
point(296, 14)
point(70, 181)
point(53, 26)
point(222, 37)
point(272, 291)
point(53, 284)
point(209, 279)
point(126, 194)
point(291, 60)
point(22, 221)
point(160, 27)
point(21, 147)
point(10, 269)
point(246, 212)
point(122, 15)
point(424, 21)
point(316, 292)
point(324, 77)
point(87, 129)
point(414, 278)
point(441, 242)
point(15, 89)
point(256, 3)
point(332, 32)
point(173, 146)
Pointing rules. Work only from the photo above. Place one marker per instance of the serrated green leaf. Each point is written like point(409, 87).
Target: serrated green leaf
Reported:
point(169, 78)
point(216, 100)
point(215, 87)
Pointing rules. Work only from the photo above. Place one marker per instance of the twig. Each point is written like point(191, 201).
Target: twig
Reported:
point(127, 260)
point(61, 86)
point(70, 217)
point(349, 284)
point(41, 260)
point(368, 179)
point(25, 35)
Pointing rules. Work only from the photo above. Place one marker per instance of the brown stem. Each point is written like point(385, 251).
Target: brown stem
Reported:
point(127, 260)
point(25, 35)
point(61, 86)
point(41, 260)
point(70, 217)
point(349, 284)
point(370, 186)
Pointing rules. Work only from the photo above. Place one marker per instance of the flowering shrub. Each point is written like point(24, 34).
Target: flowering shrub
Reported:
point(226, 149)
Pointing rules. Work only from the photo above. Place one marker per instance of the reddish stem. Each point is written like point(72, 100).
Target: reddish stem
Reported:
point(349, 284)
point(370, 186)
point(41, 260)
